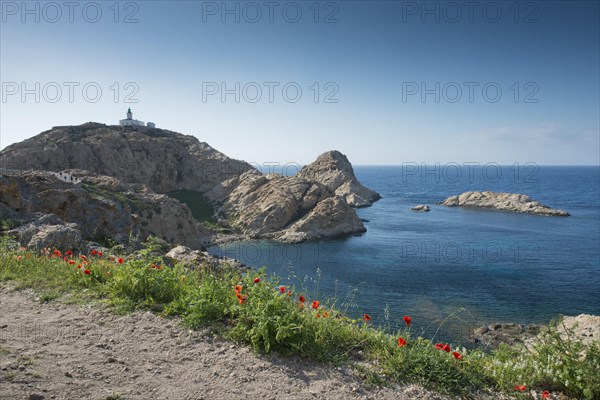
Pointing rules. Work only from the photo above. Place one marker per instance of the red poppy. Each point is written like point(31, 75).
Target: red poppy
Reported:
point(407, 320)
point(79, 266)
point(520, 388)
point(100, 254)
point(71, 262)
point(457, 355)
point(302, 299)
point(69, 253)
point(315, 304)
point(446, 348)
point(325, 314)
point(19, 258)
point(87, 271)
point(439, 346)
point(83, 257)
point(159, 267)
point(238, 289)
point(545, 394)
point(366, 317)
point(256, 280)
point(318, 315)
point(289, 293)
point(401, 342)
point(57, 253)
point(120, 260)
point(282, 289)
point(94, 252)
point(241, 298)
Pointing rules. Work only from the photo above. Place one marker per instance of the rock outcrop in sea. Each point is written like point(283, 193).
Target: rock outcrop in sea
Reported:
point(513, 202)
point(113, 182)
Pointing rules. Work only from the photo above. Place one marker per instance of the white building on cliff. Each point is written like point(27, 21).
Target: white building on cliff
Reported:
point(129, 121)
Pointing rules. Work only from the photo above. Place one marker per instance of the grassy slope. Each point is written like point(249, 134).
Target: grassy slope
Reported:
point(267, 319)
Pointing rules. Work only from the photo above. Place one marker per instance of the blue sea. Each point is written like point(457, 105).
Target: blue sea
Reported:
point(453, 269)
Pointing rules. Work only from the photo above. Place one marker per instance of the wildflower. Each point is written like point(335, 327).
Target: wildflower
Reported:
point(302, 299)
point(301, 305)
point(57, 253)
point(401, 342)
point(256, 280)
point(68, 253)
point(94, 252)
point(83, 257)
point(545, 394)
point(520, 388)
point(238, 289)
point(446, 348)
point(79, 266)
point(366, 317)
point(100, 254)
point(457, 355)
point(19, 258)
point(315, 304)
point(439, 346)
point(325, 314)
point(289, 293)
point(71, 262)
point(86, 271)
point(241, 298)
point(111, 258)
point(407, 320)
point(159, 267)
point(120, 260)
point(282, 289)
point(318, 315)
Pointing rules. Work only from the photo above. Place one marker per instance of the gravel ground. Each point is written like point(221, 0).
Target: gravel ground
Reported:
point(61, 351)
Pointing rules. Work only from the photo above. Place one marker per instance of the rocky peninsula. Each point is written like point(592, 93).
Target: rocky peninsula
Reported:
point(96, 182)
point(512, 202)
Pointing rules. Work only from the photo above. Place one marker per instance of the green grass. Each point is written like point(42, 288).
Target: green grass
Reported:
point(200, 207)
point(269, 320)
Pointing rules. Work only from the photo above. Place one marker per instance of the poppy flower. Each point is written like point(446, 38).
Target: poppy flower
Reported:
point(401, 342)
point(238, 289)
point(446, 348)
point(439, 346)
point(289, 293)
point(315, 304)
point(545, 394)
point(19, 258)
point(100, 254)
point(83, 257)
point(407, 320)
point(159, 267)
point(520, 388)
point(71, 262)
point(318, 315)
point(457, 355)
point(282, 289)
point(302, 299)
point(241, 298)
point(301, 305)
point(87, 271)
point(325, 314)
point(79, 266)
point(94, 252)
point(69, 253)
point(120, 260)
point(366, 317)
point(256, 280)
point(57, 253)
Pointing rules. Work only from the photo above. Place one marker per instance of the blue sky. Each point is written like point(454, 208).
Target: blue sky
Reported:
point(371, 62)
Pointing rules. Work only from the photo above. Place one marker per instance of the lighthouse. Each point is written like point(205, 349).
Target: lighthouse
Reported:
point(129, 121)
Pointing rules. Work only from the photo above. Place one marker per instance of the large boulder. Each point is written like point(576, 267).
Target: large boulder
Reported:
point(502, 201)
point(333, 170)
point(48, 231)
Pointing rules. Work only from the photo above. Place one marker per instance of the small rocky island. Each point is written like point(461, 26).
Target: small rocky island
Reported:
point(512, 202)
point(108, 183)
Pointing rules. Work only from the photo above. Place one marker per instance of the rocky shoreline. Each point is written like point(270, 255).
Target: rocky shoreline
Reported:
point(512, 202)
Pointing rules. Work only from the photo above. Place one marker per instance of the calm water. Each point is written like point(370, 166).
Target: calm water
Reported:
point(479, 266)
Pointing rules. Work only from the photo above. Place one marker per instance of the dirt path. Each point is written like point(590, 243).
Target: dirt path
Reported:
point(58, 351)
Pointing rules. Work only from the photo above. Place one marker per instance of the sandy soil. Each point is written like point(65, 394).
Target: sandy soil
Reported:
point(60, 351)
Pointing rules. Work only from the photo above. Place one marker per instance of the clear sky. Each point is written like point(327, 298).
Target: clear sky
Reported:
point(385, 82)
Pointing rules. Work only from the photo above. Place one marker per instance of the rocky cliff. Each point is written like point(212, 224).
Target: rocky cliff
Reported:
point(119, 177)
point(502, 201)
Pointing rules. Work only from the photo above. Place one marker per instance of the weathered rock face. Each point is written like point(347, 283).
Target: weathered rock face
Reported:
point(334, 171)
point(502, 201)
point(100, 206)
point(162, 160)
point(48, 231)
point(330, 218)
point(122, 168)
point(421, 207)
point(195, 258)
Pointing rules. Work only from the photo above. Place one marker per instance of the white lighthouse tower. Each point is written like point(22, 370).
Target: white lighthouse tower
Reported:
point(129, 121)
